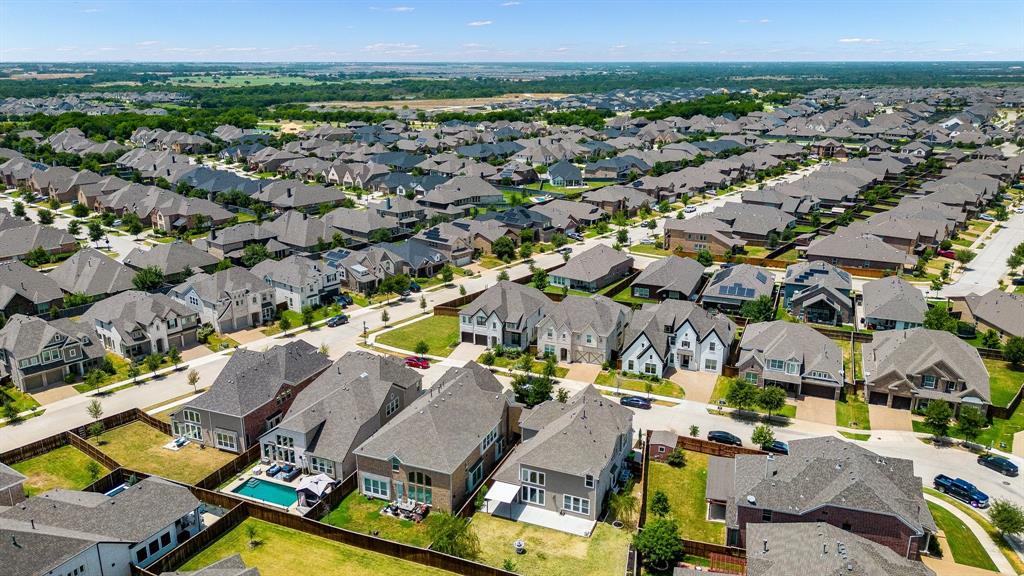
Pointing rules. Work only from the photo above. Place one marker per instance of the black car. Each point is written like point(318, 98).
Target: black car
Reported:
point(337, 320)
point(414, 287)
point(723, 437)
point(636, 402)
point(344, 299)
point(1018, 281)
point(777, 447)
point(999, 464)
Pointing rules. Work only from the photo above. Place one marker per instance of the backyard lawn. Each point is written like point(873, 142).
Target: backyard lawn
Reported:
point(441, 333)
point(361, 514)
point(139, 446)
point(661, 388)
point(64, 467)
point(1005, 379)
point(551, 552)
point(685, 490)
point(962, 543)
point(625, 296)
point(285, 552)
point(552, 289)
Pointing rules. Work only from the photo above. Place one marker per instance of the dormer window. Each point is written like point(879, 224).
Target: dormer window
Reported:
point(928, 381)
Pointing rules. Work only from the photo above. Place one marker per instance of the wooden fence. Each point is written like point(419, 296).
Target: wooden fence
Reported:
point(33, 449)
point(333, 498)
point(713, 448)
point(1006, 412)
point(93, 452)
point(116, 477)
point(197, 543)
point(233, 467)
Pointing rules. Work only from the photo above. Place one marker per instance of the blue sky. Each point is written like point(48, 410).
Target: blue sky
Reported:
point(511, 30)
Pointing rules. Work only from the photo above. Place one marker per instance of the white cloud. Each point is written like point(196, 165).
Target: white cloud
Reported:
point(392, 48)
point(764, 21)
point(147, 43)
point(859, 40)
point(472, 45)
point(478, 23)
point(394, 8)
point(511, 3)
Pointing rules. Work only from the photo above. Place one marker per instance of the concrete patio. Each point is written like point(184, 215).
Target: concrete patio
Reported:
point(541, 517)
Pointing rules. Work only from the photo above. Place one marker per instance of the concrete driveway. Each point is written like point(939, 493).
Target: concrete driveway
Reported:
point(465, 352)
point(246, 336)
point(583, 372)
point(813, 409)
point(54, 394)
point(697, 385)
point(197, 351)
point(885, 418)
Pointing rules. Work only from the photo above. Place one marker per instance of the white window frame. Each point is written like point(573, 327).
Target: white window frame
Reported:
point(533, 477)
point(221, 440)
point(392, 406)
point(533, 495)
point(376, 487)
point(650, 368)
point(776, 365)
point(72, 353)
point(588, 481)
point(928, 381)
point(576, 504)
point(491, 438)
point(711, 364)
point(191, 416)
point(321, 465)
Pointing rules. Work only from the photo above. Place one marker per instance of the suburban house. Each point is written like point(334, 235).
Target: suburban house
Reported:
point(697, 234)
point(567, 216)
point(38, 354)
point(907, 369)
point(442, 447)
point(249, 396)
point(455, 197)
point(824, 480)
point(565, 174)
point(299, 281)
point(134, 324)
point(730, 288)
point(92, 273)
point(583, 329)
point(670, 278)
point(751, 222)
point(551, 473)
point(176, 260)
point(229, 300)
point(62, 532)
point(339, 410)
point(676, 334)
point(818, 292)
point(592, 269)
point(12, 486)
point(616, 199)
point(794, 357)
point(507, 313)
point(25, 290)
point(859, 250)
point(994, 310)
point(892, 303)
point(449, 241)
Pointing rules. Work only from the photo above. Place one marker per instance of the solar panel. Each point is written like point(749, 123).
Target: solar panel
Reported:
point(761, 278)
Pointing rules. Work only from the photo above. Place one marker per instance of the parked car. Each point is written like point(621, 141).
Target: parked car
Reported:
point(723, 437)
point(636, 402)
point(574, 235)
point(987, 218)
point(404, 294)
point(417, 362)
point(343, 299)
point(1019, 210)
point(564, 250)
point(337, 320)
point(947, 254)
point(690, 209)
point(961, 490)
point(999, 464)
point(414, 287)
point(647, 241)
point(1018, 281)
point(777, 447)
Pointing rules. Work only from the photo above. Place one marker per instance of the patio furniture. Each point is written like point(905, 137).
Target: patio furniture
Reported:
point(290, 472)
point(273, 470)
point(257, 471)
point(180, 441)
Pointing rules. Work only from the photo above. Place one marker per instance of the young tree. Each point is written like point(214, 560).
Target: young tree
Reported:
point(937, 416)
point(307, 316)
point(526, 250)
point(421, 348)
point(74, 227)
point(676, 458)
point(174, 356)
point(252, 535)
point(624, 505)
point(93, 469)
point(423, 302)
point(1007, 517)
point(762, 435)
point(19, 210)
point(503, 276)
point(95, 231)
point(384, 317)
point(284, 324)
point(771, 398)
point(153, 362)
point(622, 236)
point(93, 379)
point(94, 409)
point(705, 258)
point(964, 256)
point(447, 273)
point(694, 430)
point(938, 318)
point(659, 542)
point(45, 216)
point(462, 288)
point(95, 430)
point(659, 504)
point(324, 349)
point(991, 339)
point(193, 379)
point(132, 223)
point(79, 210)
point(540, 278)
point(970, 422)
point(758, 310)
point(562, 395)
point(451, 534)
point(741, 394)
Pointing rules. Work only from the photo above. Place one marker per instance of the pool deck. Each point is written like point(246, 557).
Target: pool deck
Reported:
point(247, 474)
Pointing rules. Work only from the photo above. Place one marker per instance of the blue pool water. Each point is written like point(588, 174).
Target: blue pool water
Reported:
point(269, 491)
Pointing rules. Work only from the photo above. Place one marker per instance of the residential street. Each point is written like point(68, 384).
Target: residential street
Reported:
point(989, 265)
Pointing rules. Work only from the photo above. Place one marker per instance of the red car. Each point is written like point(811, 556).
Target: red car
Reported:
point(417, 362)
point(947, 254)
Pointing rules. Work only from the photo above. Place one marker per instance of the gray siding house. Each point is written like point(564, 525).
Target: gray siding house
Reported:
point(506, 313)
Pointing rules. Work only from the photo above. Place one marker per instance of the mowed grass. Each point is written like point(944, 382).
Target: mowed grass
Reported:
point(722, 388)
point(1011, 555)
point(852, 412)
point(20, 400)
point(685, 490)
point(361, 514)
point(1005, 380)
point(139, 446)
point(285, 552)
point(441, 333)
point(963, 544)
point(65, 467)
point(537, 367)
point(662, 387)
point(551, 552)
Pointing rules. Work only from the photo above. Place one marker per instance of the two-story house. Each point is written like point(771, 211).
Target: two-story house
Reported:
point(250, 395)
point(38, 354)
point(229, 300)
point(731, 288)
point(25, 290)
point(339, 410)
point(670, 278)
point(907, 369)
point(701, 234)
point(818, 292)
point(553, 479)
point(794, 357)
point(507, 313)
point(579, 329)
point(134, 324)
point(299, 281)
point(92, 273)
point(442, 447)
point(676, 334)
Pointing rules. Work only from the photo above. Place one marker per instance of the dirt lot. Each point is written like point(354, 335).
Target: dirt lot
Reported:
point(443, 104)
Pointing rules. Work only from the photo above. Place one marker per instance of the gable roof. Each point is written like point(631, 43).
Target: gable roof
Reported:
point(577, 313)
point(18, 279)
point(1000, 309)
point(650, 321)
point(593, 264)
point(781, 340)
point(672, 273)
point(510, 301)
point(134, 310)
point(893, 298)
point(92, 273)
point(172, 258)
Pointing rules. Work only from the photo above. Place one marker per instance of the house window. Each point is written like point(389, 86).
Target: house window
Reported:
point(751, 377)
point(650, 368)
point(576, 504)
point(392, 406)
point(792, 368)
point(419, 489)
point(532, 495)
point(165, 539)
point(491, 437)
point(710, 364)
point(629, 365)
point(766, 515)
point(685, 345)
point(588, 481)
point(590, 339)
point(72, 353)
point(322, 465)
point(140, 555)
point(551, 333)
point(641, 292)
point(661, 449)
point(777, 365)
point(950, 386)
point(928, 381)
point(395, 464)
point(549, 349)
point(190, 416)
point(481, 321)
point(225, 440)
point(286, 441)
point(531, 476)
point(375, 487)
point(711, 346)
point(476, 474)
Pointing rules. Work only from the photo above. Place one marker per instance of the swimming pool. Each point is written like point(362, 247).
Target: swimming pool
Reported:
point(268, 491)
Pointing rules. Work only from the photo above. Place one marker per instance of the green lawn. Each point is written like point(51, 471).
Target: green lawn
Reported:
point(552, 289)
point(551, 552)
point(490, 262)
point(851, 358)
point(649, 250)
point(983, 521)
point(1004, 379)
point(64, 467)
point(662, 387)
point(855, 436)
point(722, 388)
point(321, 313)
point(19, 399)
point(139, 446)
point(756, 251)
point(120, 372)
point(962, 543)
point(685, 490)
point(998, 434)
point(285, 552)
point(441, 333)
point(537, 367)
point(218, 342)
point(361, 514)
point(625, 296)
point(852, 412)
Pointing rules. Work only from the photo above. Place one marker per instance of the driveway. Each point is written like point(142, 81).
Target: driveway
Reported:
point(54, 394)
point(465, 352)
point(197, 351)
point(246, 336)
point(813, 409)
point(697, 385)
point(984, 272)
point(583, 372)
point(885, 418)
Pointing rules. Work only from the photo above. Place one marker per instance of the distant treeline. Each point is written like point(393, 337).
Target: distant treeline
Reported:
point(710, 106)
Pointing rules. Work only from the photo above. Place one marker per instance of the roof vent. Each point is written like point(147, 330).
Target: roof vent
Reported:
point(751, 499)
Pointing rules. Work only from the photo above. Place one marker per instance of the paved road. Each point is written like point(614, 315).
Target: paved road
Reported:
point(989, 265)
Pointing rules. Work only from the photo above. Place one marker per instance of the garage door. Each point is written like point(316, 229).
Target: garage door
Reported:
point(818, 391)
point(481, 339)
point(467, 336)
point(879, 398)
point(901, 402)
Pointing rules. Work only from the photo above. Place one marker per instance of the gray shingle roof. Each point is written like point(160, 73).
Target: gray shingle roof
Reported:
point(92, 273)
point(781, 340)
point(134, 310)
point(652, 319)
point(818, 274)
point(576, 313)
point(672, 273)
point(592, 264)
point(25, 336)
point(18, 279)
point(1000, 309)
point(893, 298)
point(741, 282)
point(172, 258)
point(217, 286)
point(510, 301)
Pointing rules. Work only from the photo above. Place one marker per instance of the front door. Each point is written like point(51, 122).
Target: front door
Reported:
point(565, 354)
point(684, 361)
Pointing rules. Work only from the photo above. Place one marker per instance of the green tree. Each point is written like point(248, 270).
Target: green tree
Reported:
point(284, 324)
point(45, 216)
point(540, 278)
point(1007, 517)
point(174, 356)
point(762, 435)
point(526, 250)
point(133, 370)
point(758, 310)
point(384, 317)
point(193, 379)
point(694, 430)
point(380, 236)
point(938, 318)
point(79, 210)
point(259, 210)
point(964, 256)
point(676, 458)
point(624, 505)
point(132, 223)
point(659, 504)
point(153, 362)
point(622, 236)
point(970, 422)
point(421, 348)
point(503, 276)
point(149, 278)
point(253, 254)
point(93, 379)
point(447, 273)
point(705, 258)
point(94, 409)
point(937, 416)
point(307, 316)
point(504, 249)
point(423, 302)
point(451, 534)
point(562, 395)
point(741, 394)
point(771, 398)
point(19, 210)
point(74, 227)
point(95, 231)
point(659, 542)
point(95, 430)
point(1013, 350)
point(991, 339)
point(93, 468)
